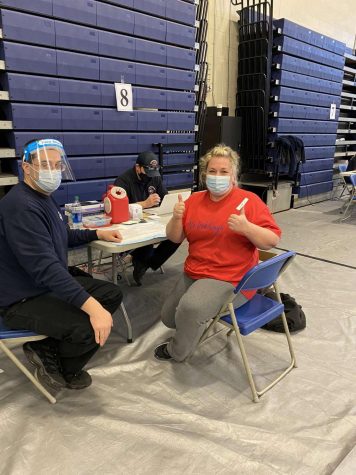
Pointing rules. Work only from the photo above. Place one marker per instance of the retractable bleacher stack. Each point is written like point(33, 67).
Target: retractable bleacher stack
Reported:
point(307, 75)
point(60, 60)
point(346, 132)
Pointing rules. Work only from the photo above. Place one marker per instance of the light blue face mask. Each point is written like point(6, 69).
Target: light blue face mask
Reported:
point(218, 185)
point(49, 180)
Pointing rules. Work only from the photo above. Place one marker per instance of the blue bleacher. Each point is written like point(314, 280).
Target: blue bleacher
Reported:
point(298, 111)
point(150, 52)
point(115, 18)
point(123, 3)
point(113, 70)
point(307, 178)
point(309, 83)
point(115, 120)
point(26, 88)
point(76, 38)
point(75, 65)
point(314, 189)
point(180, 57)
point(170, 159)
point(177, 79)
point(26, 28)
point(299, 96)
point(178, 10)
point(313, 53)
point(60, 74)
point(146, 141)
point(318, 164)
point(78, 92)
point(116, 45)
point(309, 36)
point(120, 143)
point(292, 126)
point(82, 118)
point(115, 165)
point(81, 11)
point(155, 7)
point(88, 167)
point(38, 117)
point(83, 143)
point(180, 34)
point(147, 75)
point(153, 121)
point(149, 98)
point(149, 27)
point(302, 66)
point(29, 59)
point(178, 100)
point(43, 7)
point(172, 180)
point(319, 152)
point(181, 121)
point(86, 189)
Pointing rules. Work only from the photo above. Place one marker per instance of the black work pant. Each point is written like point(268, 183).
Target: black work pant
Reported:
point(67, 326)
point(155, 257)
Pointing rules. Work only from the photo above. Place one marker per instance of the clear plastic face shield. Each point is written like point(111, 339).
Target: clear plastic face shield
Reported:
point(45, 164)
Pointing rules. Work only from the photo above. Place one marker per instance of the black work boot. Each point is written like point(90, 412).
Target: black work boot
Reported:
point(43, 357)
point(79, 380)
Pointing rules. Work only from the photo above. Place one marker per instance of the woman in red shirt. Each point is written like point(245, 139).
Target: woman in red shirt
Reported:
point(223, 246)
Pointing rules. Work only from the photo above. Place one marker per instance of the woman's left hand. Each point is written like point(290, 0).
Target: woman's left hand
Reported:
point(238, 223)
point(109, 235)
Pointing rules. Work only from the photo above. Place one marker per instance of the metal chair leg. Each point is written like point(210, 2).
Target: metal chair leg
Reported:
point(26, 372)
point(128, 323)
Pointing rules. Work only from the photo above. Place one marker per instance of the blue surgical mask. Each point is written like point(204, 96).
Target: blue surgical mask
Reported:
point(49, 180)
point(218, 185)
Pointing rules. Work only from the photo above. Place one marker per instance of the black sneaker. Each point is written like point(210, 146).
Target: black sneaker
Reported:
point(44, 358)
point(139, 271)
point(80, 380)
point(161, 352)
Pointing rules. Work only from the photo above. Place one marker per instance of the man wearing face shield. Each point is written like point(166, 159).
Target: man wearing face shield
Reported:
point(144, 186)
point(38, 291)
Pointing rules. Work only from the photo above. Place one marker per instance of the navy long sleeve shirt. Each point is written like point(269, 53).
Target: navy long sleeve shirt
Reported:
point(34, 242)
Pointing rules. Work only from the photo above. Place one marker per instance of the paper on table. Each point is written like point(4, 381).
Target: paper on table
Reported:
point(141, 232)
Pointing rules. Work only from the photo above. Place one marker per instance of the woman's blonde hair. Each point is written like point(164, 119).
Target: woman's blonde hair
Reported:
point(220, 150)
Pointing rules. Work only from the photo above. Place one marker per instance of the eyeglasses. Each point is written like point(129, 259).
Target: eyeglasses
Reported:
point(58, 166)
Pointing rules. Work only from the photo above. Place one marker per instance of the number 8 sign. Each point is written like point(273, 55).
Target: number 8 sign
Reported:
point(123, 96)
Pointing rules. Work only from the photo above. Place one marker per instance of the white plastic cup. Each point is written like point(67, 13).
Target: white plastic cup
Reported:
point(135, 211)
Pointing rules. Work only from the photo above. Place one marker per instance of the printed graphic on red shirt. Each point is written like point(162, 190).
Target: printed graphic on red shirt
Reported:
point(215, 251)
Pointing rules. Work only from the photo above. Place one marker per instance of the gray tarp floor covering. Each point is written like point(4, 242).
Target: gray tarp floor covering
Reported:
point(143, 416)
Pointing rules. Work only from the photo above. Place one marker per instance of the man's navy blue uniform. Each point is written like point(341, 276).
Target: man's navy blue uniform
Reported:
point(142, 183)
point(38, 291)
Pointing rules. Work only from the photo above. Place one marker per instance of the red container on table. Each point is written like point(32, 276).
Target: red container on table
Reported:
point(116, 204)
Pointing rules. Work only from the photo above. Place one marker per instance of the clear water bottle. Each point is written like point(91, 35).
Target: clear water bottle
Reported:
point(77, 213)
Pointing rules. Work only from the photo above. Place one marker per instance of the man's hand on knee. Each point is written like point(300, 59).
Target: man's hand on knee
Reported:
point(100, 319)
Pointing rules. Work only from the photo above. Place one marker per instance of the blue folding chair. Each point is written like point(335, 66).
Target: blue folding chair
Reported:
point(21, 336)
point(352, 198)
point(256, 312)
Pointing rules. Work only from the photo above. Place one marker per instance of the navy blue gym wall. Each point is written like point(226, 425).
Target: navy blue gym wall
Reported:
point(307, 76)
point(62, 58)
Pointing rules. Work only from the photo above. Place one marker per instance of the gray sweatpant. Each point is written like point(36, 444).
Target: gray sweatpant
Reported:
point(189, 307)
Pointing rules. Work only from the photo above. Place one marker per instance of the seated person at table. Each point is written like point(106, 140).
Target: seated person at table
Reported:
point(223, 246)
point(38, 291)
point(144, 186)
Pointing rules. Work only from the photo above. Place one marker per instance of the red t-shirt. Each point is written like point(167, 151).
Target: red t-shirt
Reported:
point(215, 251)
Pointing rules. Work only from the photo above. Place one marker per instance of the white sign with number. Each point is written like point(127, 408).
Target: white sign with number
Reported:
point(123, 96)
point(332, 111)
